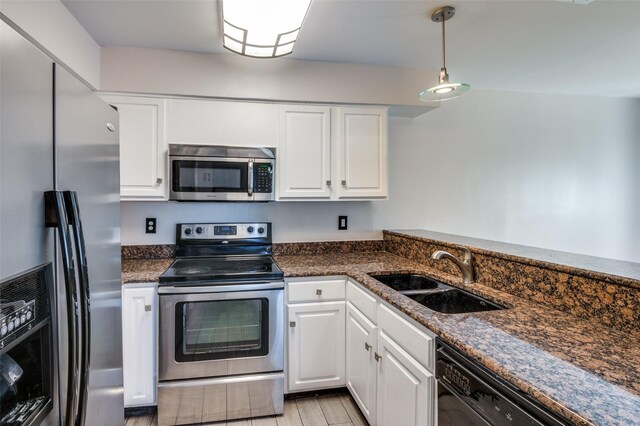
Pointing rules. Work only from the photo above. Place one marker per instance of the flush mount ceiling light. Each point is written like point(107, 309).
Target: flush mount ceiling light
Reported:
point(262, 28)
point(444, 90)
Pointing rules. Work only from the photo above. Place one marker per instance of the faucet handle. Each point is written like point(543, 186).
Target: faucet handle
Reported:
point(466, 253)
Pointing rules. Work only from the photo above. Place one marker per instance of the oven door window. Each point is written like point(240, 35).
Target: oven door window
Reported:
point(209, 176)
point(222, 329)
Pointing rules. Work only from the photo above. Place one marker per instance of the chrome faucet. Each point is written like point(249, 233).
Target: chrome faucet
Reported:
point(466, 265)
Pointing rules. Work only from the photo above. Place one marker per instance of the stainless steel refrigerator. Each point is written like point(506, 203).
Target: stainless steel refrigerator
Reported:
point(58, 138)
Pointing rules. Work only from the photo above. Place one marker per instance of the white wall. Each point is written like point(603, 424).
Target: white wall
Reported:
point(550, 171)
point(50, 24)
point(293, 221)
point(173, 72)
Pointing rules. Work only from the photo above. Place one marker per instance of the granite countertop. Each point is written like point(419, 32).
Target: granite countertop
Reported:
point(588, 373)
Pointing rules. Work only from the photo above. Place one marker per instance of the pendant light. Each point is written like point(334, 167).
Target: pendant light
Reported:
point(444, 90)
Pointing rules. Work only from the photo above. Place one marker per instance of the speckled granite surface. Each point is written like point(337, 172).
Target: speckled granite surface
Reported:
point(143, 270)
point(577, 367)
point(161, 251)
point(588, 373)
point(614, 303)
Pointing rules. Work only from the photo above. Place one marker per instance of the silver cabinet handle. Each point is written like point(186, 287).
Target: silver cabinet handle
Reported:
point(328, 183)
point(159, 180)
point(318, 292)
point(344, 183)
point(147, 308)
point(367, 346)
point(377, 357)
point(292, 324)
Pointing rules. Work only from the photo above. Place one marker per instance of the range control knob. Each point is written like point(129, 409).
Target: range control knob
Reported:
point(188, 231)
point(250, 229)
point(261, 230)
point(10, 326)
point(29, 315)
point(16, 322)
point(199, 230)
point(4, 330)
point(23, 319)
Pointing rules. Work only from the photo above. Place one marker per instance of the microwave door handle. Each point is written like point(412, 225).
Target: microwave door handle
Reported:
point(250, 179)
point(56, 217)
point(73, 213)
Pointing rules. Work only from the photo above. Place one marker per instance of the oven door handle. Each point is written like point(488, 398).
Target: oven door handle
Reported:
point(221, 288)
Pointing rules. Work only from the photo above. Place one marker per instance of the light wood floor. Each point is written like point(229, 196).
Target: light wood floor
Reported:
point(324, 410)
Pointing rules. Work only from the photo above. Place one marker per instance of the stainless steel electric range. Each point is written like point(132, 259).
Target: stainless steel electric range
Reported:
point(221, 326)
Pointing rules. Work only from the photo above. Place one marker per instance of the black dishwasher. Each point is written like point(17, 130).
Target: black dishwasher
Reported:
point(470, 395)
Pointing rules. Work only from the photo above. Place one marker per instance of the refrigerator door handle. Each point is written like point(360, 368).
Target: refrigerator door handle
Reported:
point(56, 217)
point(73, 213)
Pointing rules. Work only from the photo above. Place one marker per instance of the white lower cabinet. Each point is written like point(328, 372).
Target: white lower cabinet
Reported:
point(316, 345)
point(139, 344)
point(405, 388)
point(384, 358)
point(361, 365)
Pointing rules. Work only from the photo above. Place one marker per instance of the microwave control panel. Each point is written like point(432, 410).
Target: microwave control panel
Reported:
point(263, 178)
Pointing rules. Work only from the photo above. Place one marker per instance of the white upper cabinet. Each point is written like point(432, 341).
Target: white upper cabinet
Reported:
point(143, 147)
point(361, 152)
point(304, 159)
point(330, 153)
point(216, 122)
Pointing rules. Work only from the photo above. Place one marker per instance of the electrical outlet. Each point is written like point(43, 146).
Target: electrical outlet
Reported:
point(150, 225)
point(342, 223)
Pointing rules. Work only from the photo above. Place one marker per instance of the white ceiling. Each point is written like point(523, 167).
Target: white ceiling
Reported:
point(542, 45)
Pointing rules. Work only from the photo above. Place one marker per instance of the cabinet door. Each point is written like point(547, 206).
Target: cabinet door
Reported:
point(143, 147)
point(316, 345)
point(361, 366)
point(361, 152)
point(139, 338)
point(304, 159)
point(405, 388)
point(215, 122)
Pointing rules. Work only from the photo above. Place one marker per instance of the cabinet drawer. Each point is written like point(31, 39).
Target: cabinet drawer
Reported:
point(362, 300)
point(409, 337)
point(315, 290)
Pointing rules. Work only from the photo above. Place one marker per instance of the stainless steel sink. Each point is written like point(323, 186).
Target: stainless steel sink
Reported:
point(436, 295)
point(454, 301)
point(407, 282)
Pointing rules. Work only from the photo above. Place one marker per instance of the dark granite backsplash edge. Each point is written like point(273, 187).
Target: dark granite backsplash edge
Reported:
point(164, 251)
point(595, 275)
point(608, 302)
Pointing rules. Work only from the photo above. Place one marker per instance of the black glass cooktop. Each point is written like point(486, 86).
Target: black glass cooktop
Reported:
point(222, 269)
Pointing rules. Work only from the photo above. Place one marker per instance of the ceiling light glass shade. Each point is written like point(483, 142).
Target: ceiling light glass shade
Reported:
point(262, 28)
point(443, 92)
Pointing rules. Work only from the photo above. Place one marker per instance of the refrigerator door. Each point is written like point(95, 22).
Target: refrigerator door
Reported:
point(26, 162)
point(87, 162)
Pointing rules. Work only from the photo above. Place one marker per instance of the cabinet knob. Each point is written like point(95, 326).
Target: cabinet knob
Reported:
point(328, 183)
point(344, 183)
point(147, 308)
point(377, 357)
point(367, 346)
point(111, 127)
point(159, 180)
point(319, 292)
point(292, 324)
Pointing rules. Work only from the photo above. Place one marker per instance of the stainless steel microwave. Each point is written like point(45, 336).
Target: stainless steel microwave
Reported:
point(221, 173)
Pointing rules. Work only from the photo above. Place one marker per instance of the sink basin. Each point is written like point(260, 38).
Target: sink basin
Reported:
point(407, 282)
point(453, 301)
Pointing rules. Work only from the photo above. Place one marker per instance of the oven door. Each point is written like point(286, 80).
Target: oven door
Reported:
point(210, 179)
point(208, 333)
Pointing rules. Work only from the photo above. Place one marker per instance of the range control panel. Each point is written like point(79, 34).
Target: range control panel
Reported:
point(16, 315)
point(223, 231)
